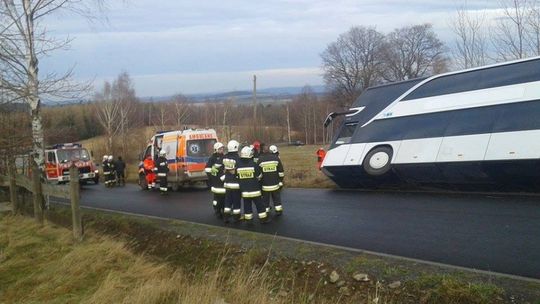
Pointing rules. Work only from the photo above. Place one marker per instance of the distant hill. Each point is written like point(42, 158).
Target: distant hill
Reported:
point(279, 94)
point(263, 95)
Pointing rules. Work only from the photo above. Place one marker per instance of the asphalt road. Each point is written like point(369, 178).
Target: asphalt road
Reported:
point(495, 233)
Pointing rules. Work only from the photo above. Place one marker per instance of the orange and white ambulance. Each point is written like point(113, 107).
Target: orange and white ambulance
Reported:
point(58, 159)
point(187, 152)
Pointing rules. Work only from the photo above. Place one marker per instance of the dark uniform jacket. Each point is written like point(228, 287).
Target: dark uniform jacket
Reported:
point(120, 166)
point(214, 170)
point(272, 171)
point(249, 175)
point(106, 169)
point(230, 160)
point(162, 167)
point(109, 167)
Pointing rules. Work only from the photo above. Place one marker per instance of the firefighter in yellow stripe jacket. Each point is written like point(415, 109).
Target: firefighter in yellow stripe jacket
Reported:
point(249, 174)
point(272, 179)
point(214, 170)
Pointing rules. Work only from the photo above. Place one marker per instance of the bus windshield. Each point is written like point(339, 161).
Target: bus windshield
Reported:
point(66, 155)
point(200, 147)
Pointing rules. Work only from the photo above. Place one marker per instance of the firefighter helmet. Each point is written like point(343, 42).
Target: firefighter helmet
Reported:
point(110, 157)
point(273, 149)
point(217, 146)
point(162, 152)
point(232, 146)
point(247, 152)
point(105, 157)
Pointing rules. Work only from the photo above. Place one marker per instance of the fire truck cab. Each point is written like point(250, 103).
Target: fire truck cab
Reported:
point(59, 158)
point(187, 152)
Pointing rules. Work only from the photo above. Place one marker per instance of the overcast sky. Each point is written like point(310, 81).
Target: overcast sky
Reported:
point(178, 46)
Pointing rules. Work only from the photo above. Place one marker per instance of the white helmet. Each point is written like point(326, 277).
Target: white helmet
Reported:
point(217, 146)
point(273, 149)
point(110, 157)
point(162, 152)
point(247, 152)
point(105, 157)
point(232, 146)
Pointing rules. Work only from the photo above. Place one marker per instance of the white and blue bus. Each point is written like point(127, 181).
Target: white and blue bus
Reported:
point(466, 129)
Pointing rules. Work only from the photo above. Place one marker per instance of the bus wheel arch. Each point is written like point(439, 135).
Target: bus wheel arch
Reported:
point(378, 160)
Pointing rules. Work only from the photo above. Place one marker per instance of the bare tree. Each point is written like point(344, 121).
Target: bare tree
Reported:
point(182, 109)
point(108, 113)
point(23, 41)
point(411, 52)
point(471, 42)
point(509, 36)
point(351, 63)
point(163, 115)
point(124, 95)
point(533, 26)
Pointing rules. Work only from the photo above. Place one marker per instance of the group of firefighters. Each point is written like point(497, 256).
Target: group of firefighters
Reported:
point(113, 171)
point(253, 176)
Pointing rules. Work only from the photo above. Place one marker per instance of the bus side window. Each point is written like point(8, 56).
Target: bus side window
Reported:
point(518, 117)
point(472, 121)
point(346, 133)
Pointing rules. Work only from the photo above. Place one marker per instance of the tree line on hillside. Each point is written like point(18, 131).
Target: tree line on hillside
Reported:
point(115, 112)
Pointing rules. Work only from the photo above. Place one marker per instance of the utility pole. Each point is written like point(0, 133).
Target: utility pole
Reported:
point(254, 107)
point(288, 124)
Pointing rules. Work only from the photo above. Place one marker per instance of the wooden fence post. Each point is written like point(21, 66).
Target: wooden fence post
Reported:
point(75, 203)
point(37, 193)
point(13, 190)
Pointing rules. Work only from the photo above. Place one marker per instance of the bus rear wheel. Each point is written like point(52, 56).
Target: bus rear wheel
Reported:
point(377, 161)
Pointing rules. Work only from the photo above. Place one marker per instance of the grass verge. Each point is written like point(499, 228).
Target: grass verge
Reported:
point(141, 260)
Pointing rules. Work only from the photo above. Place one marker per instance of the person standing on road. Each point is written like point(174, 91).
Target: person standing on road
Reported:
point(272, 179)
point(162, 170)
point(105, 168)
point(214, 170)
point(321, 154)
point(112, 170)
point(121, 171)
point(249, 174)
point(233, 197)
point(148, 165)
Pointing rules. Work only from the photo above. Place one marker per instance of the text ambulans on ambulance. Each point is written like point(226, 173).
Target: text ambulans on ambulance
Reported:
point(187, 152)
point(59, 158)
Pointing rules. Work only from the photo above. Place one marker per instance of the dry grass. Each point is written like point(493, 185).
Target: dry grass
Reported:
point(301, 169)
point(44, 265)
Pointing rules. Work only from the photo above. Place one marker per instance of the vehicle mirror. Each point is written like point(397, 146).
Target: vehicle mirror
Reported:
point(328, 119)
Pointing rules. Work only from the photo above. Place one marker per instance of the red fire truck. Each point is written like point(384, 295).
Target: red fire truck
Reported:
point(59, 158)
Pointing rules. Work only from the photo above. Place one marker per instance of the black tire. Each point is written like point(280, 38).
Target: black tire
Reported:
point(96, 180)
point(378, 161)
